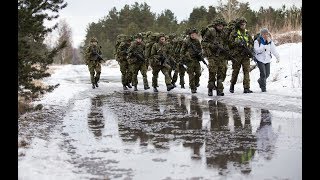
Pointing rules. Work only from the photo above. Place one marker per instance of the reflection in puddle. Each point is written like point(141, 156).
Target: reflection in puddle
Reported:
point(95, 117)
point(219, 136)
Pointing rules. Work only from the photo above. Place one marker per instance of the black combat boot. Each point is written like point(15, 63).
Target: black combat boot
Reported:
point(135, 88)
point(125, 87)
point(93, 86)
point(220, 93)
point(182, 86)
point(146, 87)
point(193, 91)
point(169, 87)
point(247, 90)
point(174, 85)
point(231, 88)
point(129, 86)
point(209, 92)
point(155, 89)
point(198, 85)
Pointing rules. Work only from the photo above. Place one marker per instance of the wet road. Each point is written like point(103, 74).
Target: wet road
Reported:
point(144, 135)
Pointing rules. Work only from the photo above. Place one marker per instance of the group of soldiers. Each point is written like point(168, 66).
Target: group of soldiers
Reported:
point(174, 55)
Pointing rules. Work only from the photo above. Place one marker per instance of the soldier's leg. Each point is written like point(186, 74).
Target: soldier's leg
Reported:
point(92, 72)
point(134, 69)
point(236, 65)
point(246, 71)
point(98, 72)
point(175, 76)
point(182, 71)
point(221, 75)
point(123, 70)
point(167, 78)
point(144, 70)
point(212, 75)
point(155, 72)
point(192, 84)
point(197, 74)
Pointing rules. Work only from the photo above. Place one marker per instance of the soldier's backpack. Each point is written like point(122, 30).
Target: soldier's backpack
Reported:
point(153, 39)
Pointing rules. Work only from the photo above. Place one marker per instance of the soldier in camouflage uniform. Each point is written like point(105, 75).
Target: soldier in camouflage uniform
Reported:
point(190, 55)
point(121, 57)
point(240, 43)
point(171, 43)
point(159, 62)
point(92, 53)
point(179, 65)
point(137, 61)
point(214, 43)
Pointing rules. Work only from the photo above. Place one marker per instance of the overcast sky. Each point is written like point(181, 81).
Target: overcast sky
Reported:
point(79, 13)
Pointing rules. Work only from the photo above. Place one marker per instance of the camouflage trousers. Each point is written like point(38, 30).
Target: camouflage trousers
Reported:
point(135, 68)
point(194, 72)
point(217, 72)
point(155, 72)
point(236, 65)
point(95, 71)
point(181, 71)
point(126, 74)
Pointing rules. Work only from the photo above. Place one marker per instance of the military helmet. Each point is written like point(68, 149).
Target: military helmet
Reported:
point(219, 21)
point(148, 33)
point(139, 35)
point(193, 30)
point(121, 37)
point(93, 39)
point(242, 20)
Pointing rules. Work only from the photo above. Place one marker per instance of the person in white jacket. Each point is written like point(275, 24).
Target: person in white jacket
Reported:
point(264, 48)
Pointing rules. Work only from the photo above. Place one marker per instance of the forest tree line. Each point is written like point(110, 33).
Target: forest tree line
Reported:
point(135, 18)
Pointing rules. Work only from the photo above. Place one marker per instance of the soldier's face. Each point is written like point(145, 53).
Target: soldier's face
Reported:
point(139, 40)
point(243, 25)
point(193, 35)
point(162, 39)
point(219, 27)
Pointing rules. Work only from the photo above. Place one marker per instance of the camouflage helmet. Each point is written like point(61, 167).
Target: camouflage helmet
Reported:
point(93, 39)
point(219, 21)
point(241, 20)
point(154, 36)
point(139, 35)
point(148, 33)
point(193, 30)
point(121, 37)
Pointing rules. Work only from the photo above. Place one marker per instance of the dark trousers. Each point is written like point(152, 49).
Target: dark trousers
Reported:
point(264, 74)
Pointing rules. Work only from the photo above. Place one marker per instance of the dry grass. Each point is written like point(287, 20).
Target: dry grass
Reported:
point(291, 37)
point(23, 105)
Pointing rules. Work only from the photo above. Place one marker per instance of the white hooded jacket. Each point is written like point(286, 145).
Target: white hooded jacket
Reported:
point(264, 51)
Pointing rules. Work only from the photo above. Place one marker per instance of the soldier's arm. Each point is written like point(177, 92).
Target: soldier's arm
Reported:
point(154, 51)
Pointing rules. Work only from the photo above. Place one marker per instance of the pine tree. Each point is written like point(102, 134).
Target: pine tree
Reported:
point(33, 55)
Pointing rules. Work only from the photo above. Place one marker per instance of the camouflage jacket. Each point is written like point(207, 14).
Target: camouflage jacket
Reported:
point(239, 39)
point(91, 53)
point(213, 40)
point(190, 49)
point(121, 53)
point(134, 50)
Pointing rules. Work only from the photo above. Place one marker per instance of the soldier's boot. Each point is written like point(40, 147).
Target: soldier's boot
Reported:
point(125, 87)
point(135, 88)
point(146, 87)
point(169, 87)
point(209, 92)
point(198, 85)
point(193, 91)
point(182, 86)
point(231, 88)
point(129, 86)
point(247, 90)
point(155, 89)
point(220, 93)
point(174, 85)
point(93, 86)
